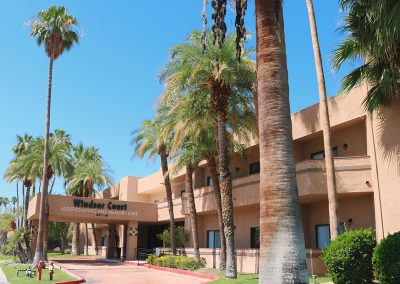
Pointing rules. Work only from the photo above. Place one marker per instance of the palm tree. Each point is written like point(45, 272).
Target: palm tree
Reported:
point(58, 165)
point(14, 202)
point(194, 120)
point(325, 125)
point(149, 139)
point(282, 251)
point(54, 28)
point(90, 171)
point(188, 157)
point(371, 32)
point(216, 73)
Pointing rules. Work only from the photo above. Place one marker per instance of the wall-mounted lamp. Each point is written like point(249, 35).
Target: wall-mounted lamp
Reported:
point(345, 146)
point(367, 183)
point(349, 221)
point(237, 169)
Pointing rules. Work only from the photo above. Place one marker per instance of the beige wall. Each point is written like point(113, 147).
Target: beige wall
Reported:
point(244, 219)
point(353, 135)
point(384, 148)
point(359, 208)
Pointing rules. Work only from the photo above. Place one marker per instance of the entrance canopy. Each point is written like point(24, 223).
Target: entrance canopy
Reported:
point(92, 210)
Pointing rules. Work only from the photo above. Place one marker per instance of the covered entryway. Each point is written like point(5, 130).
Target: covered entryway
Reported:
point(117, 222)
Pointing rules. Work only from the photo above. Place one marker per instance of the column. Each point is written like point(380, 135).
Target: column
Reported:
point(131, 240)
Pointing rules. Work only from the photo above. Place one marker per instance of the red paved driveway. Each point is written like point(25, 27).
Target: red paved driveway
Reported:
point(96, 271)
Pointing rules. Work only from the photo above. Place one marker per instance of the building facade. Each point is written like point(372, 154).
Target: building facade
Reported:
point(367, 163)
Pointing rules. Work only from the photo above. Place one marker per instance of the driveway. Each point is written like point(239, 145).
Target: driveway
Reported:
point(97, 271)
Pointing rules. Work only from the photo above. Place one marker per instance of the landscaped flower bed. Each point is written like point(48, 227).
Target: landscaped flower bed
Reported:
point(177, 262)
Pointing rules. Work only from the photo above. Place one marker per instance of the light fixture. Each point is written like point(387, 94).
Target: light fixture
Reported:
point(349, 221)
point(345, 146)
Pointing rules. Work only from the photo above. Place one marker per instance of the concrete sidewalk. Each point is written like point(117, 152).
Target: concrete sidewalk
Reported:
point(105, 272)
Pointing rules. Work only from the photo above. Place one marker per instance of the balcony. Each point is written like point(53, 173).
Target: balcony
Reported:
point(353, 175)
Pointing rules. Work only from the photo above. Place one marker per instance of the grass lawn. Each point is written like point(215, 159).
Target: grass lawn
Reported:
point(10, 270)
point(6, 257)
point(60, 255)
point(245, 277)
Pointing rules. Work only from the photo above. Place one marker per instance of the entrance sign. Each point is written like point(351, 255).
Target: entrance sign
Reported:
point(93, 210)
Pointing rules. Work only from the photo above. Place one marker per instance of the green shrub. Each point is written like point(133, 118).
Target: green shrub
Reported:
point(175, 261)
point(386, 260)
point(67, 251)
point(349, 257)
point(151, 258)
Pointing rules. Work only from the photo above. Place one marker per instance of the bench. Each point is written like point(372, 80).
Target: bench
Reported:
point(33, 272)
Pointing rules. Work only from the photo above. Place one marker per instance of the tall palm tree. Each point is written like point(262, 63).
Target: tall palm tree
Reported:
point(56, 29)
point(282, 251)
point(149, 139)
point(325, 126)
point(216, 73)
point(371, 32)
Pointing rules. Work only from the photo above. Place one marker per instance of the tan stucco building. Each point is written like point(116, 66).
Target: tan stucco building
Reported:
point(367, 163)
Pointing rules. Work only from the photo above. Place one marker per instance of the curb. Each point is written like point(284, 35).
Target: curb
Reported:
point(182, 272)
point(80, 279)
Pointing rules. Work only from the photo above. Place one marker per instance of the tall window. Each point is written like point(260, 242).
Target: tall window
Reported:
point(323, 234)
point(209, 181)
point(321, 154)
point(255, 237)
point(213, 239)
point(254, 168)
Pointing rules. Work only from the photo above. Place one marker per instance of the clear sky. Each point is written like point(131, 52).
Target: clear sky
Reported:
point(105, 86)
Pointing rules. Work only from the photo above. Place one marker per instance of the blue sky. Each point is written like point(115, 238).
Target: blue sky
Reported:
point(104, 87)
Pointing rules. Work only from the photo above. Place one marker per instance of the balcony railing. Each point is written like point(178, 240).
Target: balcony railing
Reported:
point(352, 175)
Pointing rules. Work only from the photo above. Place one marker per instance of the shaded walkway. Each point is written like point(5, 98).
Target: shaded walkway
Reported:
point(97, 271)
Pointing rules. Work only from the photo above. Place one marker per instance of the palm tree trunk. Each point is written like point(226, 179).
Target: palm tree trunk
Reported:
point(86, 240)
point(94, 238)
point(325, 125)
point(168, 190)
point(226, 196)
point(62, 245)
point(75, 239)
point(52, 185)
point(23, 204)
point(282, 251)
point(46, 232)
point(43, 196)
point(27, 196)
point(192, 212)
point(18, 223)
point(34, 188)
point(217, 192)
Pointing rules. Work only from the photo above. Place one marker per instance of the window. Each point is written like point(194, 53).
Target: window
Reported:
point(209, 181)
point(321, 154)
point(254, 168)
point(255, 237)
point(324, 234)
point(213, 239)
